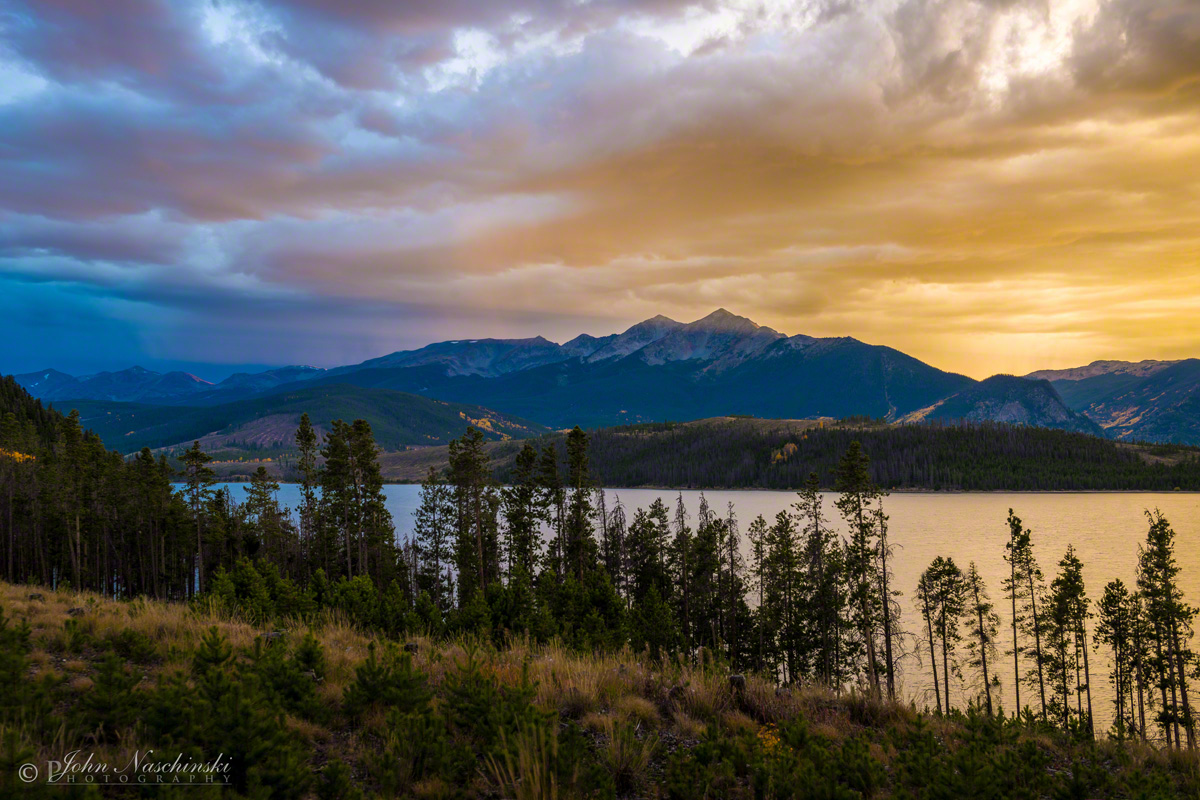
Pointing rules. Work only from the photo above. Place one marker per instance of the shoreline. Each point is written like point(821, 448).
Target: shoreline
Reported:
point(829, 491)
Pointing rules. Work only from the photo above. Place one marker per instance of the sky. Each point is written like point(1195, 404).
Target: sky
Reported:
point(988, 185)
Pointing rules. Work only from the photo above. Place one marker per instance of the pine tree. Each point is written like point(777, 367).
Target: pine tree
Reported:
point(477, 557)
point(679, 566)
point(374, 529)
point(926, 594)
point(1024, 588)
point(823, 601)
point(941, 591)
point(983, 623)
point(1169, 628)
point(306, 444)
point(339, 503)
point(888, 599)
point(615, 556)
point(579, 548)
point(553, 506)
point(705, 578)
point(198, 480)
point(757, 535)
point(520, 502)
point(433, 531)
point(270, 522)
point(1115, 628)
point(734, 590)
point(856, 504)
point(782, 600)
point(1068, 641)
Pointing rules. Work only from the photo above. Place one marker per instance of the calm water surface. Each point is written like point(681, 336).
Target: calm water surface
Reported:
point(1106, 529)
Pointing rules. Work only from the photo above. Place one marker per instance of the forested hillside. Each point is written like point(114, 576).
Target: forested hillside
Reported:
point(779, 454)
point(397, 418)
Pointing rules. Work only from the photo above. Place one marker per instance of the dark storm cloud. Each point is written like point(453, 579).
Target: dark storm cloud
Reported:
point(394, 172)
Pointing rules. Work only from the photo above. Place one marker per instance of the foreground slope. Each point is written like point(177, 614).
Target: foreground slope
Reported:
point(326, 708)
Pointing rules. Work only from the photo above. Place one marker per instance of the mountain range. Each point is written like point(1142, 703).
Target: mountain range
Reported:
point(659, 369)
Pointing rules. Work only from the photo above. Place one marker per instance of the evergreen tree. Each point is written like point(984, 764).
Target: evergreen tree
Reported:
point(890, 618)
point(941, 592)
point(1115, 628)
point(339, 509)
point(1068, 641)
point(824, 601)
point(983, 623)
point(306, 463)
point(614, 549)
point(477, 548)
point(270, 522)
point(1024, 587)
point(679, 566)
point(704, 579)
point(553, 505)
point(376, 555)
point(648, 536)
point(734, 610)
point(579, 547)
point(926, 594)
point(1169, 628)
point(783, 599)
point(757, 535)
point(198, 480)
point(857, 506)
point(521, 508)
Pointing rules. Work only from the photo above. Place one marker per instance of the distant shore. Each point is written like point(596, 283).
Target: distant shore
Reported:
point(246, 479)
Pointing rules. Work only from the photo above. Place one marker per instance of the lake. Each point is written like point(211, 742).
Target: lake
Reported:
point(1106, 529)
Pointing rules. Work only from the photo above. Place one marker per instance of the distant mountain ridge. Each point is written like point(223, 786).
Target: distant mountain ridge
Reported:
point(141, 385)
point(661, 369)
point(1138, 369)
point(1011, 400)
point(1153, 401)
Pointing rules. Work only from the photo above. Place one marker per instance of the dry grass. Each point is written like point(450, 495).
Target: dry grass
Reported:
point(638, 710)
point(628, 706)
point(599, 690)
point(627, 753)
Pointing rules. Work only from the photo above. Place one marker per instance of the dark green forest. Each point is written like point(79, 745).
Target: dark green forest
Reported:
point(765, 454)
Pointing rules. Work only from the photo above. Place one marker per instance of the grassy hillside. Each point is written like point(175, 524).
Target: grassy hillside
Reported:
point(261, 423)
point(322, 709)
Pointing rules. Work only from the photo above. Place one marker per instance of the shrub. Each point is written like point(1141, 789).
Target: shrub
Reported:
point(227, 711)
point(109, 707)
point(284, 680)
point(23, 702)
point(132, 645)
point(393, 683)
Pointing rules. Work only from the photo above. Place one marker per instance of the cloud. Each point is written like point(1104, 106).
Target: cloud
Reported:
point(946, 176)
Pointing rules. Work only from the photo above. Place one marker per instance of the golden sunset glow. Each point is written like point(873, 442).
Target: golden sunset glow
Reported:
point(988, 186)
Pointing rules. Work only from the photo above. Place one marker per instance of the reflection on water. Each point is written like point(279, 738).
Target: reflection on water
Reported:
point(1106, 529)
